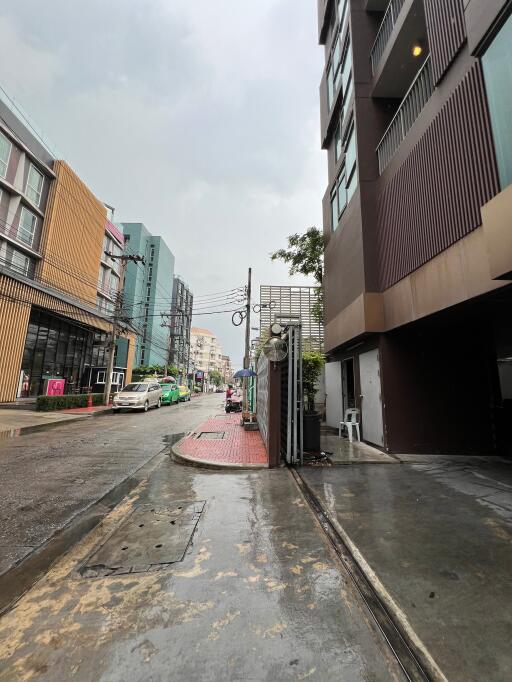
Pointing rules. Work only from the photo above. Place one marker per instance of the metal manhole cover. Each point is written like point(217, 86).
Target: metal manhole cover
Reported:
point(212, 435)
point(150, 537)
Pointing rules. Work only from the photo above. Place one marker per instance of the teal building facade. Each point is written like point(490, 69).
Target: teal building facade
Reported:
point(148, 293)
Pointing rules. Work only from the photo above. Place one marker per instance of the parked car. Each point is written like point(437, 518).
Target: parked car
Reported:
point(170, 393)
point(184, 393)
point(138, 396)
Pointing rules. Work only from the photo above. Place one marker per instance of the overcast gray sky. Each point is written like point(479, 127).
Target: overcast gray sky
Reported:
point(199, 119)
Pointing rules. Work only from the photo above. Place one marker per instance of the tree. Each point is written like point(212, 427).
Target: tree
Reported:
point(154, 370)
point(305, 256)
point(215, 377)
point(312, 364)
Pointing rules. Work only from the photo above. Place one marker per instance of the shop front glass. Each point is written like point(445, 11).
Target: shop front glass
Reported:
point(58, 349)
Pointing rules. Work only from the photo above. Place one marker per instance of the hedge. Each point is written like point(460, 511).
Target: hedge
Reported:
point(47, 403)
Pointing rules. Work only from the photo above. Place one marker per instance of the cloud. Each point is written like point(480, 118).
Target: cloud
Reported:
point(199, 119)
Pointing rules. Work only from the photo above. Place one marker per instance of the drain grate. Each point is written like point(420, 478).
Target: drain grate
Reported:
point(151, 537)
point(212, 435)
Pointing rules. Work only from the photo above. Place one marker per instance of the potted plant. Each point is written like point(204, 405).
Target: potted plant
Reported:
point(312, 365)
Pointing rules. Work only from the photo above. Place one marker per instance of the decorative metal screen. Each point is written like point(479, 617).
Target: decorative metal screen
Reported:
point(291, 304)
point(262, 399)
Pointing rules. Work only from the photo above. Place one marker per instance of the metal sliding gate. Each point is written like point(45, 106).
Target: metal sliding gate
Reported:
point(292, 405)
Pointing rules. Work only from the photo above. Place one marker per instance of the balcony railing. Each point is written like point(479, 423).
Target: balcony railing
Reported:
point(385, 31)
point(412, 104)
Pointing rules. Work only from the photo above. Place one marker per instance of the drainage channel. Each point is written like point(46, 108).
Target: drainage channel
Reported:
point(403, 650)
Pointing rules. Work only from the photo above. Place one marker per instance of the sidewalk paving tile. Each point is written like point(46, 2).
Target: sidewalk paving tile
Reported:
point(237, 447)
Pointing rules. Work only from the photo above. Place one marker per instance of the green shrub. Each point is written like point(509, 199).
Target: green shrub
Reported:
point(197, 389)
point(48, 403)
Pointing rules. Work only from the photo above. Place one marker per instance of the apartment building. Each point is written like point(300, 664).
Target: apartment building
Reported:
point(52, 230)
point(147, 295)
point(415, 108)
point(205, 353)
point(180, 322)
point(226, 369)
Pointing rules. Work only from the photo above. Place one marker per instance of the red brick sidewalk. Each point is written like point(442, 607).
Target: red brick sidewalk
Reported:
point(238, 448)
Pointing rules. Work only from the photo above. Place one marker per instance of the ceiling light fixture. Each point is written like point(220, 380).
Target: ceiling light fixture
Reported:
point(417, 50)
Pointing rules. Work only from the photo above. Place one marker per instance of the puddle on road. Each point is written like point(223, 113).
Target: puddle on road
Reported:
point(173, 438)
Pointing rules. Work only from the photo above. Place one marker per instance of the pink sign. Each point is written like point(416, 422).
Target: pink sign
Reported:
point(55, 386)
point(115, 232)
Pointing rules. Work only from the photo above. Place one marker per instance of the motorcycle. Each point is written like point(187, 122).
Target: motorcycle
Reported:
point(233, 403)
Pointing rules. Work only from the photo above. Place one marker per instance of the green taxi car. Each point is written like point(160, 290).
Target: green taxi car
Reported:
point(170, 393)
point(184, 393)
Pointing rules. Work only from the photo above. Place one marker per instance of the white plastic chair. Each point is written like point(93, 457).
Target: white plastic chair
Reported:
point(351, 422)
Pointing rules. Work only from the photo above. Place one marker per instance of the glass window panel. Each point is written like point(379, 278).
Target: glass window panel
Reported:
point(350, 152)
point(5, 153)
point(346, 69)
point(352, 185)
point(342, 194)
point(334, 211)
point(337, 143)
point(27, 226)
point(330, 87)
point(34, 185)
point(336, 55)
point(497, 66)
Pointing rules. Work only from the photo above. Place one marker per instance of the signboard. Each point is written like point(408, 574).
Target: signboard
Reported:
point(55, 386)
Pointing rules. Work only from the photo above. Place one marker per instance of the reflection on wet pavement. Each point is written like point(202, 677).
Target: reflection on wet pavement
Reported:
point(259, 596)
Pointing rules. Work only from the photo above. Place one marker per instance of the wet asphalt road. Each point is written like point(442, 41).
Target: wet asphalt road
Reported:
point(50, 477)
point(259, 594)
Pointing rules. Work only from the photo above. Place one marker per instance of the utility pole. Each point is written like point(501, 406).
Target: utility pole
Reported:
point(247, 340)
point(118, 312)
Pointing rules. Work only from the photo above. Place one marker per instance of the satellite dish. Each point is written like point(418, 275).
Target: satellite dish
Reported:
point(275, 350)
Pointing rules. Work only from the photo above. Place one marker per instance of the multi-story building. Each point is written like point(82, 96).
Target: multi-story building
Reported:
point(180, 322)
point(226, 369)
point(205, 353)
point(147, 295)
point(415, 109)
point(52, 230)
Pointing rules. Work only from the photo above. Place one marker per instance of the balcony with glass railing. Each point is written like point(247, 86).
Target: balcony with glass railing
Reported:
point(410, 108)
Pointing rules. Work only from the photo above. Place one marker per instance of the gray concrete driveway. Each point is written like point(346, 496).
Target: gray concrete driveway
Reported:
point(259, 594)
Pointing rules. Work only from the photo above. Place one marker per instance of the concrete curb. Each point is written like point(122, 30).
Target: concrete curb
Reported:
point(182, 459)
point(397, 615)
point(24, 430)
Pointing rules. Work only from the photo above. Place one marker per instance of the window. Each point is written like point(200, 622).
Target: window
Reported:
point(497, 66)
point(346, 71)
point(330, 87)
point(346, 182)
point(337, 143)
point(5, 154)
point(338, 199)
point(14, 259)
point(342, 14)
point(27, 226)
point(34, 188)
point(351, 163)
point(100, 379)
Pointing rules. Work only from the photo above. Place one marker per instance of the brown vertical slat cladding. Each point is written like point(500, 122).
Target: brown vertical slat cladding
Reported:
point(446, 29)
point(16, 300)
point(72, 237)
point(435, 197)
